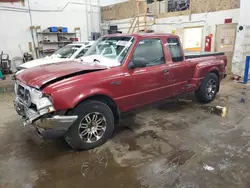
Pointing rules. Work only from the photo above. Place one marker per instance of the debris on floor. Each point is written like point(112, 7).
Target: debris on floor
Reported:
point(209, 168)
point(235, 77)
point(184, 101)
point(222, 110)
point(217, 110)
point(244, 97)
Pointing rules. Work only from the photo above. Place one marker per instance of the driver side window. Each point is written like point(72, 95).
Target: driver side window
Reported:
point(151, 51)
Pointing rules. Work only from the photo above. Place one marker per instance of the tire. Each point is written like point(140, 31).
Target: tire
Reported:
point(205, 93)
point(94, 110)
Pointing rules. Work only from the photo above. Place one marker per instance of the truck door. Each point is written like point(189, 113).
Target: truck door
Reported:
point(147, 83)
point(179, 70)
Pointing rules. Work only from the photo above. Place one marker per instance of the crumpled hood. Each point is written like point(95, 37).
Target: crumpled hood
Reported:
point(38, 76)
point(42, 61)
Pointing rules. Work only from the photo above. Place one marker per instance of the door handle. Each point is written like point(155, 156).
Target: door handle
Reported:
point(166, 71)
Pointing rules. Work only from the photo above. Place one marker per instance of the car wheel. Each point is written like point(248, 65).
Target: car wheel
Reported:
point(94, 126)
point(208, 88)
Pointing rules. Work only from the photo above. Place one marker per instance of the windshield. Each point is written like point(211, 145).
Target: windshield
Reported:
point(113, 48)
point(66, 51)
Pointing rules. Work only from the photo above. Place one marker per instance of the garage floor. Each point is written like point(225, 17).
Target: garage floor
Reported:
point(173, 144)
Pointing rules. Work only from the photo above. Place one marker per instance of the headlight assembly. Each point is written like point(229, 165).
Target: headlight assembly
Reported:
point(35, 95)
point(31, 96)
point(42, 102)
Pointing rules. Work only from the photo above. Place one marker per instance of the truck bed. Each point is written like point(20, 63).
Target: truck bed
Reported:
point(192, 55)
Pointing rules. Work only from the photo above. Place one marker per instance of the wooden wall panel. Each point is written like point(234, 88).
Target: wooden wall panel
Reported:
point(121, 10)
point(128, 9)
point(172, 14)
point(200, 6)
point(235, 3)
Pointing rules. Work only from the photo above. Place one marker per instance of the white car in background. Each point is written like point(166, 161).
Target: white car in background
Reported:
point(66, 53)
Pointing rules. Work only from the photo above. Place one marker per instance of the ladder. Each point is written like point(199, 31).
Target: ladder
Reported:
point(141, 21)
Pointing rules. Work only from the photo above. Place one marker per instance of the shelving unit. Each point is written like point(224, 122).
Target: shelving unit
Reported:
point(59, 42)
point(49, 42)
point(47, 33)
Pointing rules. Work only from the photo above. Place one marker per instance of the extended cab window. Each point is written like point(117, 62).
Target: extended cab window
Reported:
point(175, 49)
point(150, 50)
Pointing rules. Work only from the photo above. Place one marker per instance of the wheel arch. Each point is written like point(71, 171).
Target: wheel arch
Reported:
point(108, 101)
point(216, 72)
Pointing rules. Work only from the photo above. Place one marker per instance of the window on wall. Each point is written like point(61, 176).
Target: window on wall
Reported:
point(192, 40)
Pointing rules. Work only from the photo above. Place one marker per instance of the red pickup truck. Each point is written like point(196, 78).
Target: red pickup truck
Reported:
point(82, 100)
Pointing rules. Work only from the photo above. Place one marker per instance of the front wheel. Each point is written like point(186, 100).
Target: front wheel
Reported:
point(94, 126)
point(208, 88)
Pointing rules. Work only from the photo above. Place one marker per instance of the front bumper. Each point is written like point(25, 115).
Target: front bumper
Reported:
point(55, 126)
point(48, 126)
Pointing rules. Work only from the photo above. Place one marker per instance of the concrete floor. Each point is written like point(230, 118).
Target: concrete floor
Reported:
point(171, 144)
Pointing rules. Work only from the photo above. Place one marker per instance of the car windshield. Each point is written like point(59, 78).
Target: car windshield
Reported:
point(111, 47)
point(66, 51)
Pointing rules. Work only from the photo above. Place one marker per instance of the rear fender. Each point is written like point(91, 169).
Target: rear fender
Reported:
point(202, 69)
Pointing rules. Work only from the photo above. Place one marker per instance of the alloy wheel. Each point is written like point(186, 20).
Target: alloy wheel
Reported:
point(92, 127)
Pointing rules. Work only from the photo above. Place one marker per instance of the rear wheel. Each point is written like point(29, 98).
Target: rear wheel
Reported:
point(94, 126)
point(208, 88)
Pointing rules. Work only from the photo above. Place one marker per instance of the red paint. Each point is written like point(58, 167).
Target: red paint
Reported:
point(208, 43)
point(11, 1)
point(38, 76)
point(228, 20)
point(211, 35)
point(137, 87)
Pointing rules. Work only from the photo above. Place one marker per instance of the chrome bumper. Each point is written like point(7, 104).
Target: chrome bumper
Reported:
point(46, 124)
point(54, 127)
point(57, 122)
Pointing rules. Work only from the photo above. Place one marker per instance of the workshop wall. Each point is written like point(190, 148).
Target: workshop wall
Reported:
point(121, 10)
point(16, 22)
point(176, 24)
point(242, 43)
point(207, 20)
point(128, 9)
point(109, 2)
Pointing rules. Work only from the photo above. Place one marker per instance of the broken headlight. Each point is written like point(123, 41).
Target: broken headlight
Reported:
point(42, 102)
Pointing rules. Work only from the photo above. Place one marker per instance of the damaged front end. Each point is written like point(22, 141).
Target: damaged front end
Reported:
point(37, 109)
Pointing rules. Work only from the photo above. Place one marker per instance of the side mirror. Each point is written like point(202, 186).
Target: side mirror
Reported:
point(138, 62)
